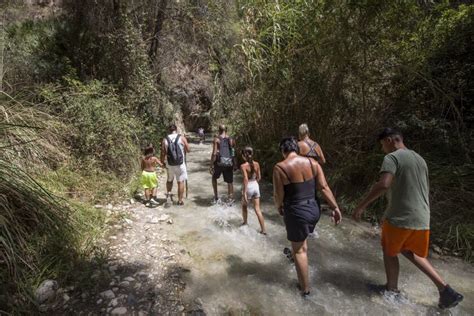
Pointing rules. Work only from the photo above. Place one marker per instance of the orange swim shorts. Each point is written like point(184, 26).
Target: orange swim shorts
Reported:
point(397, 239)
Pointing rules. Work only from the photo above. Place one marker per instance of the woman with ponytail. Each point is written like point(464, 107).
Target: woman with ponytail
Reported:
point(250, 189)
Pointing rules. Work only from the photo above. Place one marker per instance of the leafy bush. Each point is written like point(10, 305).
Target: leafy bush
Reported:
point(99, 131)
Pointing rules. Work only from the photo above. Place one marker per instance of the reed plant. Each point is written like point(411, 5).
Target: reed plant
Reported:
point(42, 235)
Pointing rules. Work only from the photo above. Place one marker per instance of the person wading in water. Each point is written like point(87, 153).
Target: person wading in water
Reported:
point(406, 226)
point(308, 147)
point(222, 162)
point(250, 189)
point(295, 180)
point(174, 148)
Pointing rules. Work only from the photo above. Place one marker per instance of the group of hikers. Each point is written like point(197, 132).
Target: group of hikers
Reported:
point(296, 180)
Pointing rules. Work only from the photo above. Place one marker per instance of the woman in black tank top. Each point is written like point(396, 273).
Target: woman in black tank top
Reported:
point(295, 180)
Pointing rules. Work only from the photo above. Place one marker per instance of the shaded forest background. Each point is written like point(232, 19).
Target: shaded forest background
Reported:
point(86, 84)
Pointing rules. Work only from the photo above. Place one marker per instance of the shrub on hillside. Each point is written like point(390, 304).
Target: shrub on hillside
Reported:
point(99, 132)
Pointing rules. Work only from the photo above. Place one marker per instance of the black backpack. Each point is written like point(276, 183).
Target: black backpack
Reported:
point(174, 154)
point(225, 156)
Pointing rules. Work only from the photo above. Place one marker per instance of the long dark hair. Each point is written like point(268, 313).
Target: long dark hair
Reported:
point(247, 152)
point(149, 151)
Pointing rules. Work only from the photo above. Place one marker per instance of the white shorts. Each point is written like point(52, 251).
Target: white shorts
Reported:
point(253, 190)
point(177, 171)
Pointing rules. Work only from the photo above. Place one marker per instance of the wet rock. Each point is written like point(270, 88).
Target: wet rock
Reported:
point(119, 311)
point(131, 300)
point(113, 302)
point(99, 301)
point(153, 220)
point(437, 249)
point(46, 292)
point(66, 297)
point(435, 255)
point(129, 279)
point(124, 284)
point(109, 294)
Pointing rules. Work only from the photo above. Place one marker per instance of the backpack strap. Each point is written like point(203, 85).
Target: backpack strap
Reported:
point(168, 140)
point(176, 139)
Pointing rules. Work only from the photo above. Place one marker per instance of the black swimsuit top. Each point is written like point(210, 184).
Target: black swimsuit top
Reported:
point(299, 191)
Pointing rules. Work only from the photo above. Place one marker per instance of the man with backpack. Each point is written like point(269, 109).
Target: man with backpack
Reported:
point(222, 162)
point(174, 148)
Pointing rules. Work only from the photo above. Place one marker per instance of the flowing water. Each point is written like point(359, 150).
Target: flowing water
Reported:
point(235, 270)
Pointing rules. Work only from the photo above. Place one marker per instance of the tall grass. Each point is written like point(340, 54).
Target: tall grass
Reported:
point(41, 234)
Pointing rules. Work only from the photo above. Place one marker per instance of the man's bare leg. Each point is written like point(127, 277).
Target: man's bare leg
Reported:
point(425, 266)
point(180, 191)
point(392, 269)
point(230, 190)
point(214, 187)
point(169, 187)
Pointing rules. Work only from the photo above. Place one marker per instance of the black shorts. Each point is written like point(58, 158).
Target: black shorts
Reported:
point(300, 219)
point(228, 173)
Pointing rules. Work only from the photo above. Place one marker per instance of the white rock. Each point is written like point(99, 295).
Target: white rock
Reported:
point(132, 201)
point(437, 249)
point(66, 297)
point(109, 294)
point(124, 284)
point(99, 301)
point(129, 279)
point(98, 206)
point(46, 291)
point(170, 221)
point(119, 311)
point(109, 206)
point(113, 302)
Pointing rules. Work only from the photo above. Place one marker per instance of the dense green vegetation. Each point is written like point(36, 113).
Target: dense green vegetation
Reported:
point(349, 68)
point(86, 85)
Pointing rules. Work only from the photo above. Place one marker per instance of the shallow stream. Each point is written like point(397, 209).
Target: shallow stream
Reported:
point(235, 270)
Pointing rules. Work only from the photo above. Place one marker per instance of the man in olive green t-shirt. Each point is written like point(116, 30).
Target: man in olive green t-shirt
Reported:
point(405, 230)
